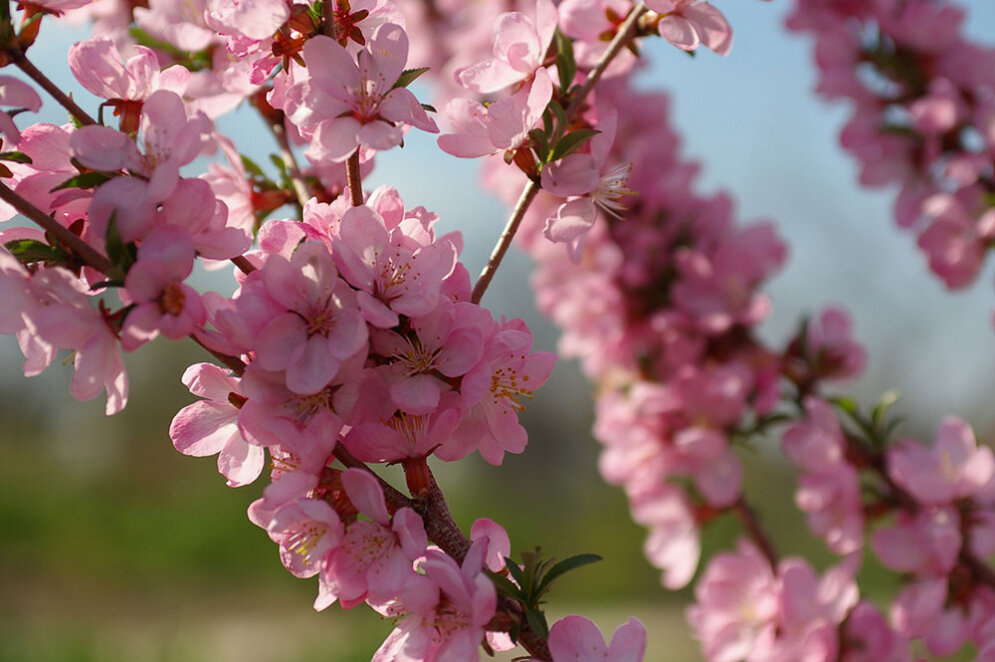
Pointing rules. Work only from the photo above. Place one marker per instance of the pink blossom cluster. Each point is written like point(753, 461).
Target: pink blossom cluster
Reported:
point(351, 336)
point(521, 88)
point(923, 118)
point(354, 337)
point(746, 610)
point(660, 309)
point(931, 517)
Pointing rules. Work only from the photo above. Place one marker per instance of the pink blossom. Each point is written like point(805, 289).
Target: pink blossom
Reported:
point(171, 140)
point(868, 638)
point(256, 19)
point(737, 604)
point(154, 284)
point(500, 126)
point(519, 46)
point(344, 104)
point(321, 327)
point(493, 392)
point(589, 184)
point(689, 23)
point(926, 544)
point(954, 468)
point(307, 530)
point(443, 345)
point(96, 64)
point(577, 639)
point(17, 94)
point(447, 611)
point(830, 344)
point(397, 270)
point(68, 321)
point(376, 555)
point(209, 426)
point(673, 544)
point(405, 435)
point(498, 543)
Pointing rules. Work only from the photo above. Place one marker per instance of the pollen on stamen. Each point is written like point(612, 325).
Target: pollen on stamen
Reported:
point(303, 541)
point(612, 190)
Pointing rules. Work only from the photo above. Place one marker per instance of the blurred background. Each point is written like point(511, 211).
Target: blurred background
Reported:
point(115, 547)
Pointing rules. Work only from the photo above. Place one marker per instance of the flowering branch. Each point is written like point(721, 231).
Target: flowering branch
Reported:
point(748, 517)
point(84, 251)
point(625, 34)
point(25, 65)
point(293, 168)
point(622, 38)
point(518, 213)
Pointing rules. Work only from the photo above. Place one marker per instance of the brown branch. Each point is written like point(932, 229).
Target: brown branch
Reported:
point(83, 250)
point(233, 363)
point(497, 255)
point(749, 519)
point(243, 264)
point(625, 34)
point(293, 168)
point(25, 65)
point(622, 38)
point(355, 179)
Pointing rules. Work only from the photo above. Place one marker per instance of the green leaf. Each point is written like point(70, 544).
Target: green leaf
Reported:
point(281, 167)
point(409, 76)
point(537, 621)
point(571, 142)
point(429, 107)
point(547, 122)
point(17, 157)
point(566, 65)
point(28, 251)
point(564, 566)
point(315, 11)
point(888, 398)
point(847, 405)
point(515, 571)
point(120, 254)
point(252, 167)
point(83, 180)
point(561, 121)
point(541, 144)
point(505, 586)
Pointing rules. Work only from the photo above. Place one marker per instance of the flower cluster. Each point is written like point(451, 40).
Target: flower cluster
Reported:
point(355, 338)
point(351, 339)
point(923, 113)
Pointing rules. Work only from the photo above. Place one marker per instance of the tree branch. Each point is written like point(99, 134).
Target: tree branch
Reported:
point(355, 179)
point(497, 255)
point(25, 65)
point(89, 255)
point(625, 34)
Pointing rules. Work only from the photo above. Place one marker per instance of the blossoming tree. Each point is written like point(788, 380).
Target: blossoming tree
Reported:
point(355, 338)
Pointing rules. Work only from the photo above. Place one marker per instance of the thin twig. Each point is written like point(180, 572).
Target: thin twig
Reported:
point(25, 65)
point(83, 250)
point(233, 363)
point(243, 264)
point(293, 168)
point(355, 179)
point(518, 213)
point(621, 39)
point(756, 531)
point(395, 499)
